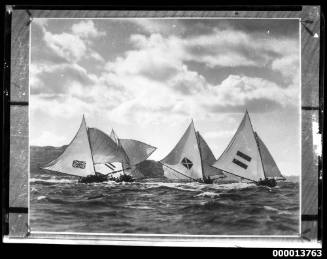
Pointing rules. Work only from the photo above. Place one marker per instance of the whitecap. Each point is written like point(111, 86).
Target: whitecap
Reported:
point(270, 208)
point(210, 194)
point(33, 189)
point(193, 187)
point(232, 186)
point(280, 212)
point(52, 180)
point(41, 198)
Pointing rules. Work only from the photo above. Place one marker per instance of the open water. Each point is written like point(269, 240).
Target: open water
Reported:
point(59, 203)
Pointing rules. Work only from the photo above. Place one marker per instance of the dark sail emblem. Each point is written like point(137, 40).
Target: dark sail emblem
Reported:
point(110, 165)
point(245, 157)
point(79, 164)
point(187, 163)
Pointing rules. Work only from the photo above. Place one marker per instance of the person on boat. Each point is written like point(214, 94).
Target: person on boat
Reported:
point(267, 182)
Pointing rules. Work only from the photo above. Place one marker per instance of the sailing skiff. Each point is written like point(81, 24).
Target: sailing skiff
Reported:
point(191, 159)
point(247, 157)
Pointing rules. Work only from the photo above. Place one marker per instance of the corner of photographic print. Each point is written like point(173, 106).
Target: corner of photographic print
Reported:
point(178, 126)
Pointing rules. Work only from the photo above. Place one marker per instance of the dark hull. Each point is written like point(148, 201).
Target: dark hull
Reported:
point(205, 180)
point(122, 178)
point(98, 178)
point(267, 182)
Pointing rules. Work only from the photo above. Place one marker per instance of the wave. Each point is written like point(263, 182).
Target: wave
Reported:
point(280, 212)
point(41, 198)
point(204, 189)
point(179, 186)
point(232, 186)
point(52, 180)
point(208, 194)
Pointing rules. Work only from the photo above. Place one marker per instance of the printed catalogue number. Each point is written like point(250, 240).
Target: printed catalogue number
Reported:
point(297, 253)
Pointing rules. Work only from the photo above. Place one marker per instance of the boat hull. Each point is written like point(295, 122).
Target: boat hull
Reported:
point(267, 182)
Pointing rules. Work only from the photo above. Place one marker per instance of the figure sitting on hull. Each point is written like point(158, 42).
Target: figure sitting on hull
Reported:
point(270, 182)
point(206, 180)
point(93, 178)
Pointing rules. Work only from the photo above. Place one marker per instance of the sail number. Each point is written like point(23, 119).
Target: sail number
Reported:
point(79, 164)
point(297, 253)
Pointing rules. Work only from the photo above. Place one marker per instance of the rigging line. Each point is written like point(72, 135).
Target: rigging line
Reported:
point(178, 172)
point(257, 142)
point(88, 138)
point(236, 175)
point(118, 171)
point(199, 147)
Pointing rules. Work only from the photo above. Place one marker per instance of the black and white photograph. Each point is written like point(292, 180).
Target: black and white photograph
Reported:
point(168, 126)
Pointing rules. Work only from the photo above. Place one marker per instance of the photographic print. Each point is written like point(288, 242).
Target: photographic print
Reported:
point(181, 126)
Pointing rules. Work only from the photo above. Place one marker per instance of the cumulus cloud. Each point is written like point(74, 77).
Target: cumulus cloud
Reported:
point(153, 79)
point(74, 45)
point(86, 29)
point(156, 70)
point(47, 138)
point(162, 26)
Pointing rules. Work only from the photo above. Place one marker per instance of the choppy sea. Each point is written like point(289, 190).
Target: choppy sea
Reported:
point(58, 203)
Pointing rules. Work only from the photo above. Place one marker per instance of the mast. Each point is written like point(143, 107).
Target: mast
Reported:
point(122, 165)
point(256, 141)
point(199, 147)
point(88, 138)
point(263, 168)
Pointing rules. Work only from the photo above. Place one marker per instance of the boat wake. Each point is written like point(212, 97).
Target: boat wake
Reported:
point(52, 180)
point(208, 194)
point(280, 212)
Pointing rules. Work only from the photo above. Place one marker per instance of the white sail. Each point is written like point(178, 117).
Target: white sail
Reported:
point(77, 157)
point(269, 165)
point(125, 161)
point(184, 161)
point(111, 169)
point(242, 157)
point(104, 149)
point(208, 159)
point(136, 151)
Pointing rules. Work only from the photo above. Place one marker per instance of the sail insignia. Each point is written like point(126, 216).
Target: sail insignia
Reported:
point(187, 163)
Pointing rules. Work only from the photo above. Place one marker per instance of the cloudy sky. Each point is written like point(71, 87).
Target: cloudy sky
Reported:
point(147, 78)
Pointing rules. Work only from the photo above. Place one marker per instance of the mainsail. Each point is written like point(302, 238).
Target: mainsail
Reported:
point(104, 149)
point(77, 157)
point(246, 156)
point(190, 158)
